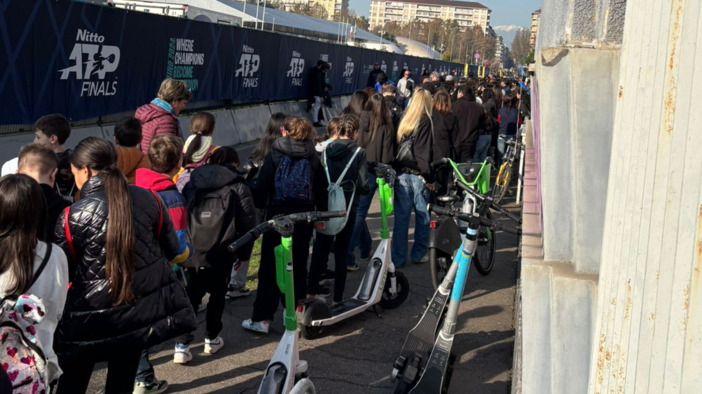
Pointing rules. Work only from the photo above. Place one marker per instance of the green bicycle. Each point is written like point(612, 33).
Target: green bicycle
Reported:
point(447, 234)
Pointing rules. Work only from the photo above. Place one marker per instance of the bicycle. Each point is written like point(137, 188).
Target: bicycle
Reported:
point(504, 175)
point(447, 233)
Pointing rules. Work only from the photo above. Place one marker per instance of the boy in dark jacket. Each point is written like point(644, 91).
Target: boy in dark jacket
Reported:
point(129, 157)
point(296, 148)
point(165, 154)
point(41, 164)
point(338, 154)
point(389, 92)
point(221, 210)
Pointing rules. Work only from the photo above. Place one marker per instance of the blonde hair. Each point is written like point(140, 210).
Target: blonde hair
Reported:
point(419, 105)
point(300, 129)
point(173, 89)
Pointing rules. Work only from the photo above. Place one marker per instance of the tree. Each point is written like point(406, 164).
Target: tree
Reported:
point(446, 56)
point(315, 10)
point(520, 47)
point(351, 18)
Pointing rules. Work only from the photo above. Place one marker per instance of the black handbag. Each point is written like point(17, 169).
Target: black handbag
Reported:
point(405, 152)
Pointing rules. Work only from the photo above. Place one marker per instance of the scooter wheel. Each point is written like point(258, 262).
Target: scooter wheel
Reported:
point(310, 332)
point(391, 302)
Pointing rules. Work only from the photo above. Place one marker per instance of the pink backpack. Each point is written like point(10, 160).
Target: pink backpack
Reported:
point(21, 355)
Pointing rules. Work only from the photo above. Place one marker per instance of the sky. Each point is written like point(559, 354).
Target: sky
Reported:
point(504, 12)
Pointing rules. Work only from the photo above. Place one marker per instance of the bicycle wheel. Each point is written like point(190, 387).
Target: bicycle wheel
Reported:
point(485, 255)
point(503, 177)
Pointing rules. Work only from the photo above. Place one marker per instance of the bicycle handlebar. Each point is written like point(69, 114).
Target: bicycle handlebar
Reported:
point(384, 171)
point(489, 202)
point(469, 218)
point(254, 233)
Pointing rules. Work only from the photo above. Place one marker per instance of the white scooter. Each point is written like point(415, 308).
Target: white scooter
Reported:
point(374, 288)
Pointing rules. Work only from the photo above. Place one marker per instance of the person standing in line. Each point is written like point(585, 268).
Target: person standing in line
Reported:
point(221, 211)
point(41, 164)
point(129, 157)
point(508, 118)
point(471, 119)
point(52, 131)
point(373, 75)
point(377, 136)
point(415, 179)
point(356, 104)
point(317, 89)
point(339, 154)
point(25, 251)
point(165, 156)
point(484, 140)
point(161, 115)
point(405, 86)
point(395, 109)
point(445, 131)
point(198, 147)
point(124, 298)
point(291, 180)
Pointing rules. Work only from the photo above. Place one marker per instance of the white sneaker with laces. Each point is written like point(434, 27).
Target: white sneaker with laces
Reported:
point(258, 326)
point(212, 346)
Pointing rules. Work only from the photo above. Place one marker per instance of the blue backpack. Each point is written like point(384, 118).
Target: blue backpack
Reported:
point(293, 180)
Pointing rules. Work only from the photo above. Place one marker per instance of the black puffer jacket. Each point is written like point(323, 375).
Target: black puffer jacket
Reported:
point(240, 214)
point(91, 323)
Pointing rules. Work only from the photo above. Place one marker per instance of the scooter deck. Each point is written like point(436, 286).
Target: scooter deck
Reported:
point(432, 380)
point(422, 337)
point(345, 306)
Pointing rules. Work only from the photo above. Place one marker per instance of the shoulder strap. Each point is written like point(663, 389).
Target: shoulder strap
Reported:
point(343, 174)
point(326, 167)
point(67, 230)
point(41, 266)
point(160, 214)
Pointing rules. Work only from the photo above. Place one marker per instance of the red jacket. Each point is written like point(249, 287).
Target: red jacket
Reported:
point(155, 120)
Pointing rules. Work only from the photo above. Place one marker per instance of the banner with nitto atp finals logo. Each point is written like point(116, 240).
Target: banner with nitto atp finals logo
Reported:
point(85, 60)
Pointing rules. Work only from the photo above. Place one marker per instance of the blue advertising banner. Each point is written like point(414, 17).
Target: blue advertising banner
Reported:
point(84, 61)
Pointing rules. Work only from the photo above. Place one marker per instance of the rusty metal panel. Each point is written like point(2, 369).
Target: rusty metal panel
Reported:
point(648, 337)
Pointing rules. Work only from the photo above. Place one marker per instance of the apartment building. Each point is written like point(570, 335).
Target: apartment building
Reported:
point(332, 7)
point(500, 50)
point(534, 26)
point(467, 14)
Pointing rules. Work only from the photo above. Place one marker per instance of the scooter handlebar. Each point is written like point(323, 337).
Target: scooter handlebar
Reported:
point(465, 217)
point(439, 162)
point(490, 202)
point(500, 227)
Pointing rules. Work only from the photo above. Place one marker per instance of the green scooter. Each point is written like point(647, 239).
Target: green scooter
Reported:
point(286, 373)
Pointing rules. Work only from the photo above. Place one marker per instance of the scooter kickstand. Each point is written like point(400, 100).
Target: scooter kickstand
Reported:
point(376, 312)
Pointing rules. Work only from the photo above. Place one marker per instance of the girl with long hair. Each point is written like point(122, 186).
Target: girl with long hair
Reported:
point(274, 131)
point(356, 104)
point(124, 297)
point(28, 264)
point(377, 136)
point(198, 147)
point(415, 179)
point(445, 130)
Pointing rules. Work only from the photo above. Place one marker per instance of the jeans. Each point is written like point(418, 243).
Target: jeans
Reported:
point(214, 281)
point(320, 257)
point(121, 369)
point(502, 147)
point(361, 237)
point(145, 372)
point(410, 192)
point(315, 108)
point(482, 148)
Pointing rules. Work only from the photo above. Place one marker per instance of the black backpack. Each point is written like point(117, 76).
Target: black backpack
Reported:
point(211, 224)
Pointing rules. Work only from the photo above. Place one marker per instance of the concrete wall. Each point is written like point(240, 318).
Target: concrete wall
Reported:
point(649, 310)
point(234, 126)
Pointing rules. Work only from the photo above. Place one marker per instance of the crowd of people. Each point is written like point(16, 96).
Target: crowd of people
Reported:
point(133, 233)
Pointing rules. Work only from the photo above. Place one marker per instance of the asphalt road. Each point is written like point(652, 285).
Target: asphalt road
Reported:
point(356, 356)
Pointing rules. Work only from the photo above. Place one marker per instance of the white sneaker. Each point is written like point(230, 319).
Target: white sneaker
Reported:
point(258, 326)
point(212, 346)
point(236, 292)
point(182, 354)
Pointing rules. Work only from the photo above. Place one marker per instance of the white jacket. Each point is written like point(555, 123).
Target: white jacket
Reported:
point(402, 87)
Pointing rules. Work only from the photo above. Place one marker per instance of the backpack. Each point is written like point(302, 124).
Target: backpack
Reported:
point(211, 223)
point(337, 199)
point(293, 180)
point(21, 355)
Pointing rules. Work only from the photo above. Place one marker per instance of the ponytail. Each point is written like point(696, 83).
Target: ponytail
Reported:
point(193, 147)
point(202, 123)
point(100, 156)
point(119, 244)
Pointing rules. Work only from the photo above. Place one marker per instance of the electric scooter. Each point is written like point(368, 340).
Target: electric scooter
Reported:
point(286, 373)
point(424, 364)
point(374, 288)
